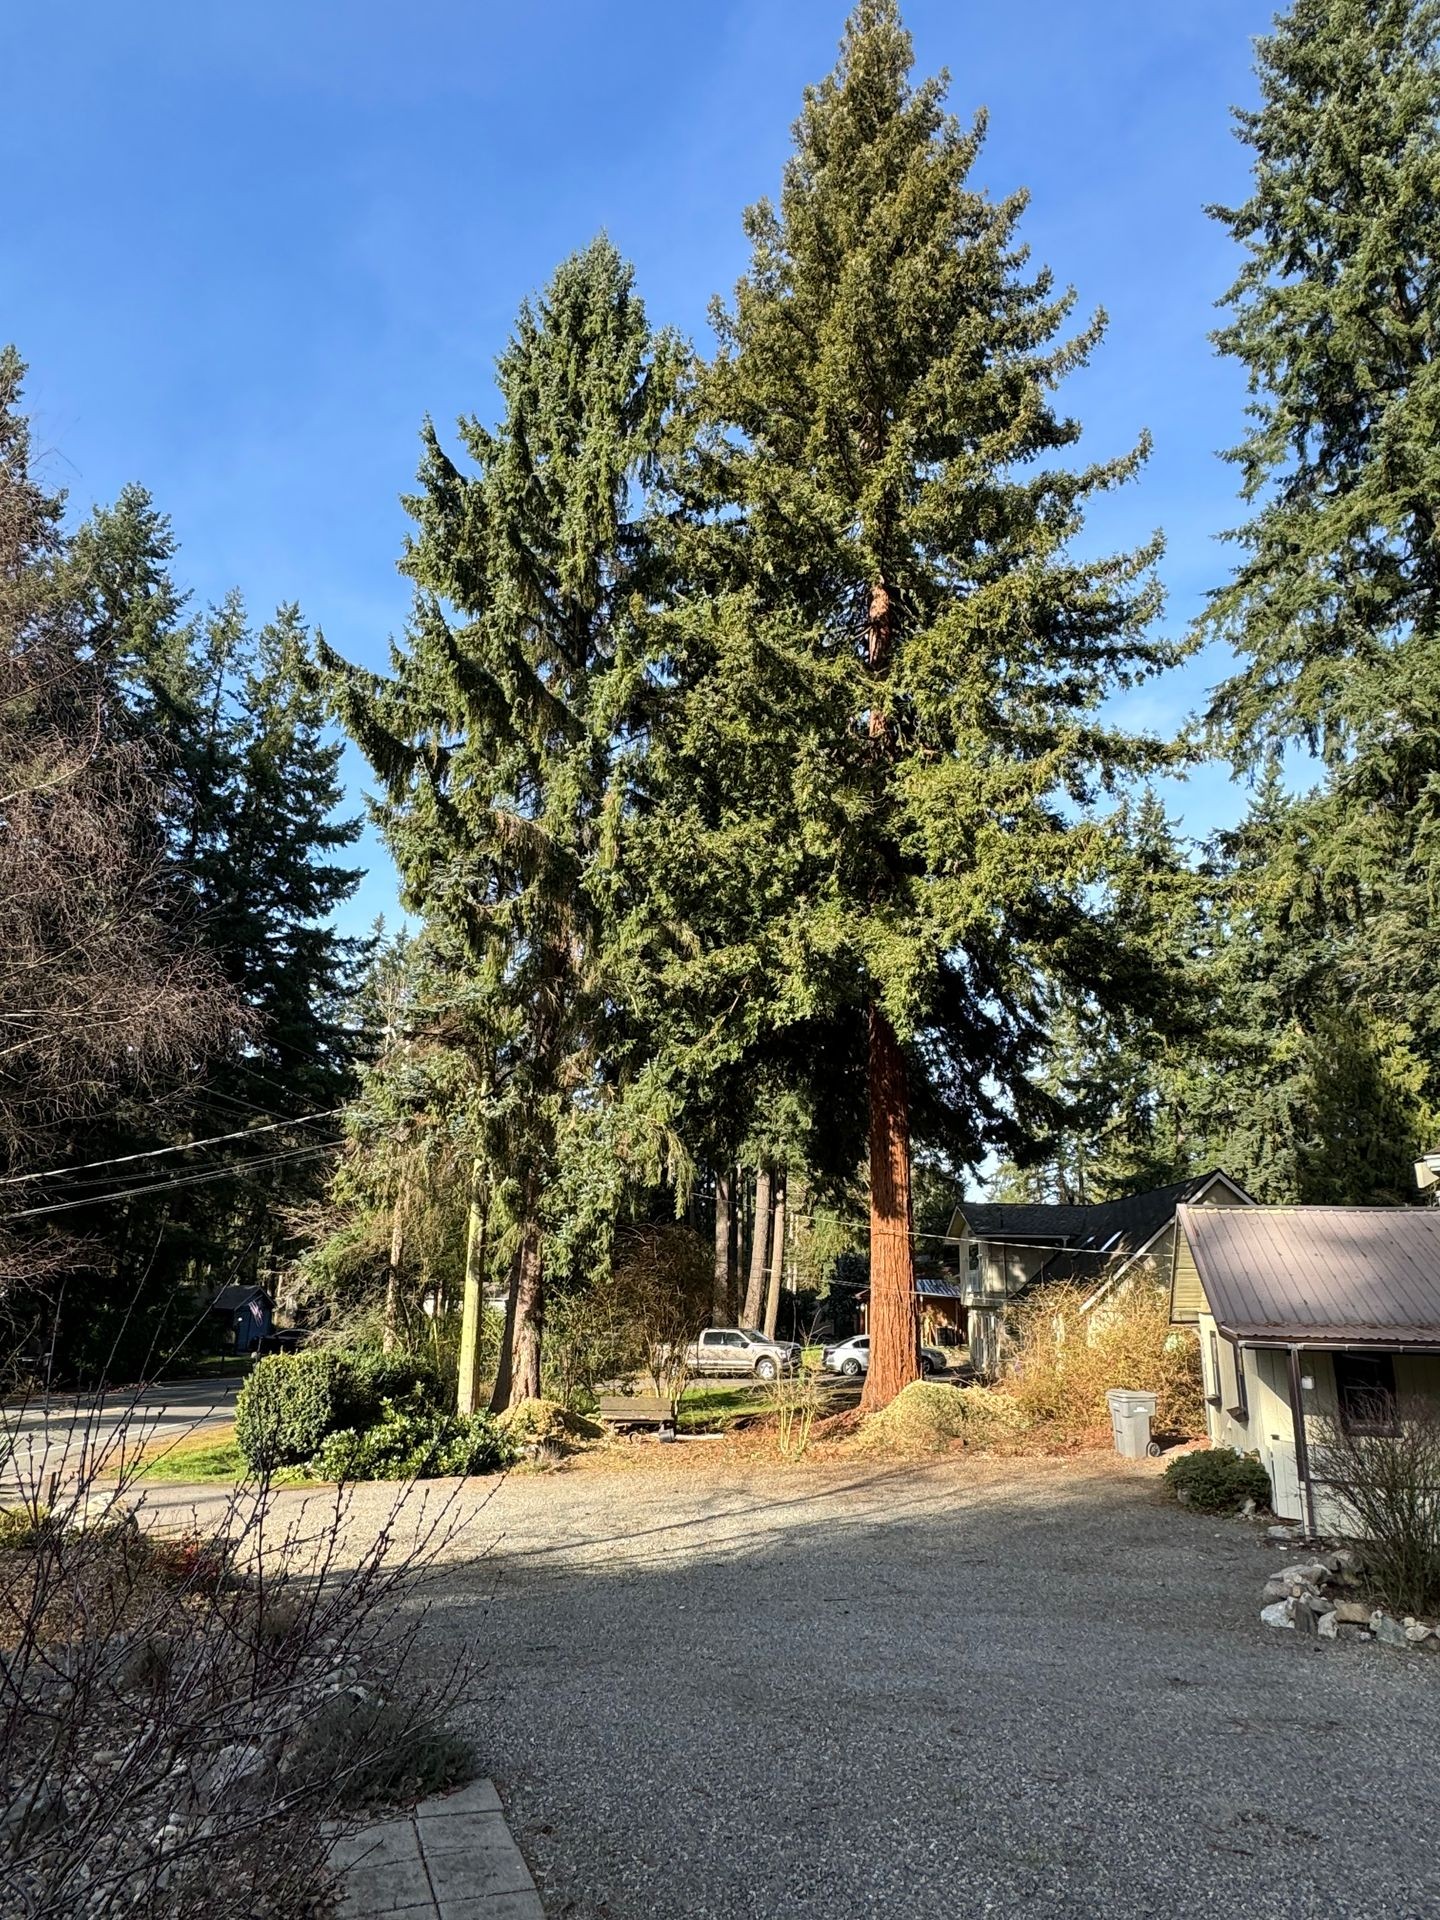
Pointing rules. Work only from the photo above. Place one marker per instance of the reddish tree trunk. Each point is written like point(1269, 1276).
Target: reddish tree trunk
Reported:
point(529, 1311)
point(894, 1321)
point(500, 1392)
point(720, 1302)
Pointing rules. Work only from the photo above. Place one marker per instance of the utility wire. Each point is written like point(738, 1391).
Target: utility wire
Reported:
point(154, 1153)
point(235, 1168)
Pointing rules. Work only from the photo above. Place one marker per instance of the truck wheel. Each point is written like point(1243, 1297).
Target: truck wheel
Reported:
point(850, 1368)
point(765, 1369)
point(927, 1366)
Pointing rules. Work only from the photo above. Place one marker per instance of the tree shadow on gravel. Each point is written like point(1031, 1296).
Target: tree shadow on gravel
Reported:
point(914, 1692)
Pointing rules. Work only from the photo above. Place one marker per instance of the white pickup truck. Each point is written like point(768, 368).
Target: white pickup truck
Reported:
point(741, 1350)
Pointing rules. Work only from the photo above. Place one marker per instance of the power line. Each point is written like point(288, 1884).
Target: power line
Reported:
point(235, 1168)
point(154, 1153)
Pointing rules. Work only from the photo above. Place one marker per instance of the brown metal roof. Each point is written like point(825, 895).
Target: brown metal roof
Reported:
point(1340, 1276)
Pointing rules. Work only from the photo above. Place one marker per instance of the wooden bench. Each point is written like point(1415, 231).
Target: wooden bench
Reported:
point(628, 1412)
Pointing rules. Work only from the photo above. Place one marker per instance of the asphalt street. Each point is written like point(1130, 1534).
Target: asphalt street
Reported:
point(60, 1435)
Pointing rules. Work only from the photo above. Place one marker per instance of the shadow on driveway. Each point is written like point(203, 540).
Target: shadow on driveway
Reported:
point(973, 1688)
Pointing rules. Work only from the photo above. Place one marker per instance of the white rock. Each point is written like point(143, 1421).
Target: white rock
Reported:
point(1328, 1627)
point(1416, 1631)
point(1280, 1614)
point(1303, 1573)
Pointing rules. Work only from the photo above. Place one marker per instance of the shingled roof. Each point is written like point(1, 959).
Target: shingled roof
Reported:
point(1330, 1276)
point(1107, 1228)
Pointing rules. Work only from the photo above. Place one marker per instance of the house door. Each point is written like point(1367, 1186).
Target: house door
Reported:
point(1278, 1459)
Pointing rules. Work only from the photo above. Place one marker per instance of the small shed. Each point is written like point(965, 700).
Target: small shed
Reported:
point(942, 1310)
point(1310, 1319)
point(243, 1317)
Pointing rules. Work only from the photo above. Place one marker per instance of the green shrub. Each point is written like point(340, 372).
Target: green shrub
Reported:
point(373, 1377)
point(288, 1405)
point(1218, 1481)
point(21, 1526)
point(410, 1440)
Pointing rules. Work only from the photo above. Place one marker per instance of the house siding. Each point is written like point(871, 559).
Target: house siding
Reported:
point(1187, 1296)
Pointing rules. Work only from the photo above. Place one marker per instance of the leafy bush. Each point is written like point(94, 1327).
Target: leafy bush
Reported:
point(1218, 1480)
point(293, 1402)
point(373, 1377)
point(288, 1405)
point(1063, 1361)
point(413, 1441)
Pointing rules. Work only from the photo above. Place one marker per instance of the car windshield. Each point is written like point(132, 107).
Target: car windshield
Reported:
point(753, 1333)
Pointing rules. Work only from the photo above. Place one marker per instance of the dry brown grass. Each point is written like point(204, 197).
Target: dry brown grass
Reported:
point(1063, 1361)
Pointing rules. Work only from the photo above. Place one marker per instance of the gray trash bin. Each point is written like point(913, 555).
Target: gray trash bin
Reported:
point(1130, 1415)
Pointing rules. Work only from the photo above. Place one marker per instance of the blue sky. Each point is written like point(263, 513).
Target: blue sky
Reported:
point(249, 246)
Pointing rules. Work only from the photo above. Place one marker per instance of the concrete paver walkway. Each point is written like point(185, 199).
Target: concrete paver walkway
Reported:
point(453, 1858)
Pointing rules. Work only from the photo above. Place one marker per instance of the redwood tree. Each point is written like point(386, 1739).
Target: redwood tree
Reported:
point(891, 504)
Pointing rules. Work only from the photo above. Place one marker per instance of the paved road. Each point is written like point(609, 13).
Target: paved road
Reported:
point(965, 1689)
point(40, 1437)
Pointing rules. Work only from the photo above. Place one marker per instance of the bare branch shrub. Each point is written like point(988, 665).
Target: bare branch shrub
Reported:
point(1383, 1471)
point(661, 1284)
point(97, 990)
point(180, 1716)
point(800, 1396)
point(1063, 1361)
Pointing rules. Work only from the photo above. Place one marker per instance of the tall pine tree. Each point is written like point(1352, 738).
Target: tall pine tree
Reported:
point(1335, 606)
point(500, 736)
point(893, 504)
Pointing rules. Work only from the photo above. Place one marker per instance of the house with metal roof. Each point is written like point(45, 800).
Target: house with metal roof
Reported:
point(1005, 1248)
point(1311, 1320)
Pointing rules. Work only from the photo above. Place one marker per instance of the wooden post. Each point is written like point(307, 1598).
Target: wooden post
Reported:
point(759, 1252)
point(467, 1397)
point(777, 1259)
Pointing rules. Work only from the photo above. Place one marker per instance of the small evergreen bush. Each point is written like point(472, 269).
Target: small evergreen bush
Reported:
point(410, 1440)
point(1218, 1481)
point(288, 1405)
point(373, 1377)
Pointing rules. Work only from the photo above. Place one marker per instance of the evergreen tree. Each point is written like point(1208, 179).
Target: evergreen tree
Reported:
point(1334, 607)
point(246, 834)
point(501, 735)
point(897, 533)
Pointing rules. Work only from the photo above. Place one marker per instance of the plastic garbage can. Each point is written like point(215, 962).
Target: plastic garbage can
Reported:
point(1130, 1416)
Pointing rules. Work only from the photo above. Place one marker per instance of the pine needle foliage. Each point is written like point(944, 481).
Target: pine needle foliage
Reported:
point(893, 502)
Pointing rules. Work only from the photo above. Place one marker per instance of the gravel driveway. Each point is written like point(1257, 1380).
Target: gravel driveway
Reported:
point(975, 1687)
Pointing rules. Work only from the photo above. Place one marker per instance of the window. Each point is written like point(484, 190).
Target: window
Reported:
point(1365, 1387)
point(1213, 1393)
point(1241, 1409)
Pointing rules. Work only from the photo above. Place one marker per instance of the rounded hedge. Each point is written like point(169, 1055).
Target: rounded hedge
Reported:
point(1218, 1480)
point(292, 1403)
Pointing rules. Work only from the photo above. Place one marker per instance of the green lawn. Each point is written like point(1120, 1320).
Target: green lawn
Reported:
point(710, 1409)
point(205, 1458)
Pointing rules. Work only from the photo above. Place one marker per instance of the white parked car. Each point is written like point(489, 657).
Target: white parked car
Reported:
point(852, 1357)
